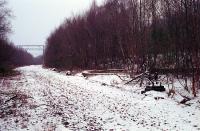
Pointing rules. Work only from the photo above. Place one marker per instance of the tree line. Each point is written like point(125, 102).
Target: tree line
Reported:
point(13, 56)
point(10, 56)
point(155, 33)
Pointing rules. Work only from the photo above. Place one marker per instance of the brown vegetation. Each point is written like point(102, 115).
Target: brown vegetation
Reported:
point(147, 34)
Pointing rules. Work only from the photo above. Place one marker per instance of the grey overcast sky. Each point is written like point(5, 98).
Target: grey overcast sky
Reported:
point(34, 20)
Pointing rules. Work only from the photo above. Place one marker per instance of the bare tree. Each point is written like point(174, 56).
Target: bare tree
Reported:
point(4, 22)
point(155, 35)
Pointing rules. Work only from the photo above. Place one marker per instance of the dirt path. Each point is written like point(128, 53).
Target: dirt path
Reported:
point(58, 102)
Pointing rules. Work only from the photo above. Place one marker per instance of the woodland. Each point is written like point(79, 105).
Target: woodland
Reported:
point(11, 56)
point(136, 35)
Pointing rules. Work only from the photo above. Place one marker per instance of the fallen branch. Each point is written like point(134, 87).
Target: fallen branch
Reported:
point(94, 74)
point(120, 77)
point(138, 76)
point(184, 101)
point(10, 99)
point(8, 93)
point(102, 72)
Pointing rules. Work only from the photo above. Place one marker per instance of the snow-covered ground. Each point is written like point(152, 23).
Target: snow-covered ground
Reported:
point(50, 101)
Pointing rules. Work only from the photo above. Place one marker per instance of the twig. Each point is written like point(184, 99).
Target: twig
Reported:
point(120, 77)
point(185, 97)
point(10, 99)
point(134, 78)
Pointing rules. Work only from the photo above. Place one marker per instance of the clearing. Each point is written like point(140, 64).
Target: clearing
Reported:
point(42, 99)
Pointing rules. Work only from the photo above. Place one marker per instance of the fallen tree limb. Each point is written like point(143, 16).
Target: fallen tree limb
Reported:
point(7, 93)
point(120, 77)
point(136, 77)
point(102, 72)
point(94, 74)
point(10, 99)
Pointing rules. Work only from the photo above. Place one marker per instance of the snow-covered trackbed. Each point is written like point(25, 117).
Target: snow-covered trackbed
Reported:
point(59, 102)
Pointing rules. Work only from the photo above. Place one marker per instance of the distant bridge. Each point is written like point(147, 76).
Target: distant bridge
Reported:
point(33, 47)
